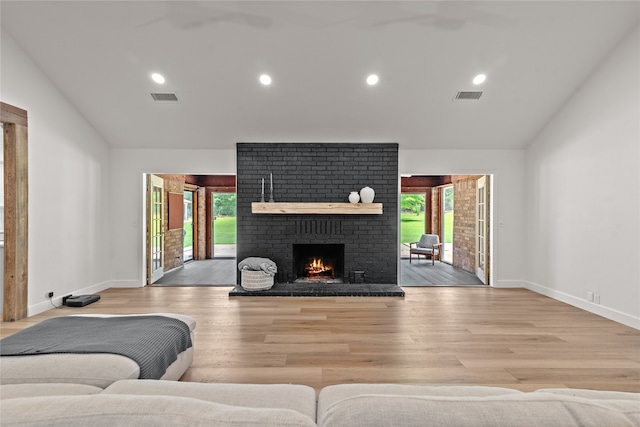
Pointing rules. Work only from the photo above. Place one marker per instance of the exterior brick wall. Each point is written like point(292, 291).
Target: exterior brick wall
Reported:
point(173, 239)
point(308, 172)
point(464, 222)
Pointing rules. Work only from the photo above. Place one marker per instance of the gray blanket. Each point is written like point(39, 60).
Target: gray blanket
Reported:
point(153, 342)
point(258, 264)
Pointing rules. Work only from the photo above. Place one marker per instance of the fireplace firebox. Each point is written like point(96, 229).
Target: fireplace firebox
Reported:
point(318, 263)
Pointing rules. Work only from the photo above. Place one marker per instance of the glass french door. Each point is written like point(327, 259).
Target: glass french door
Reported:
point(447, 224)
point(188, 226)
point(155, 229)
point(481, 229)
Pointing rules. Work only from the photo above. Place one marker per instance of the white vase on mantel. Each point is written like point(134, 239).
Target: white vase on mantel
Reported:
point(354, 197)
point(367, 194)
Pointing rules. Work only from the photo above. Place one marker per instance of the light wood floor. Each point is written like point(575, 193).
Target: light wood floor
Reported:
point(435, 335)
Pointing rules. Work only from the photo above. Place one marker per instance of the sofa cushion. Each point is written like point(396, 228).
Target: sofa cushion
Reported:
point(335, 393)
point(98, 370)
point(523, 409)
point(591, 394)
point(423, 251)
point(12, 391)
point(299, 398)
point(111, 410)
point(428, 240)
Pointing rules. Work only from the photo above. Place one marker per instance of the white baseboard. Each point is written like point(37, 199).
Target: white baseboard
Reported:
point(125, 284)
point(600, 310)
point(57, 301)
point(509, 284)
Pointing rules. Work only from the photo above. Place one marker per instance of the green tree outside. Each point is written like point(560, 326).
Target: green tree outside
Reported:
point(412, 217)
point(412, 203)
point(224, 204)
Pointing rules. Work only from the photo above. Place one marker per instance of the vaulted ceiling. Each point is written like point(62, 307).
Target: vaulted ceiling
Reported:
point(535, 54)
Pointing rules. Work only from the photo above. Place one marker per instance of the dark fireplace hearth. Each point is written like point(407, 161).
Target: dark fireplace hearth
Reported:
point(323, 290)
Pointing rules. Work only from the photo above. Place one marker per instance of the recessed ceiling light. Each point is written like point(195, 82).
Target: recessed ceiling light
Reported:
point(372, 80)
point(479, 79)
point(265, 79)
point(158, 78)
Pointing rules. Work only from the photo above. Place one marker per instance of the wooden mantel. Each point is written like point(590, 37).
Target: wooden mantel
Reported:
point(316, 208)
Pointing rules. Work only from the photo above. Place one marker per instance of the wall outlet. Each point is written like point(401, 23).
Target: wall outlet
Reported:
point(596, 298)
point(50, 294)
point(589, 296)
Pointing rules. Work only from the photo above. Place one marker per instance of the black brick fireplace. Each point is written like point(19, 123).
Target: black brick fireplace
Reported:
point(367, 244)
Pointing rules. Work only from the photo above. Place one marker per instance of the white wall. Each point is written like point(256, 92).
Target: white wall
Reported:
point(583, 191)
point(129, 166)
point(68, 185)
point(507, 209)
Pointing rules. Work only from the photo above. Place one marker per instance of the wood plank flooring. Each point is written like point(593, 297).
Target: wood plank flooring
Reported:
point(434, 335)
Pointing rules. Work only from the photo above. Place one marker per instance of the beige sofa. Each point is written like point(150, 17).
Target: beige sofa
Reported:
point(157, 403)
point(169, 403)
point(356, 405)
point(96, 369)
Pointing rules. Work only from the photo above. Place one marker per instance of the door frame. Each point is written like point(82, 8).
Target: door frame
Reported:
point(441, 232)
point(211, 219)
point(482, 228)
point(417, 182)
point(193, 189)
point(16, 208)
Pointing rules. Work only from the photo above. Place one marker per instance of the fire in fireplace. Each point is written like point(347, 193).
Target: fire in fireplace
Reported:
point(317, 267)
point(318, 262)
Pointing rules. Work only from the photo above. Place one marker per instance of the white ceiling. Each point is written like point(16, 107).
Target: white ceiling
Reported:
point(100, 54)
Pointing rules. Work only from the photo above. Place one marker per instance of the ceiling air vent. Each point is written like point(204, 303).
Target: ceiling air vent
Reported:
point(164, 97)
point(467, 96)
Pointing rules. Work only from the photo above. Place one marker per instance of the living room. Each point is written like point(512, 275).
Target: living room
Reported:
point(110, 179)
point(566, 192)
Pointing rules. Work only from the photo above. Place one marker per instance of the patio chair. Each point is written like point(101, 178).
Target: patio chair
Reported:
point(429, 245)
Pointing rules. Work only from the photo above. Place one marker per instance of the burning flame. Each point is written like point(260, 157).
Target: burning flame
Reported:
point(317, 266)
